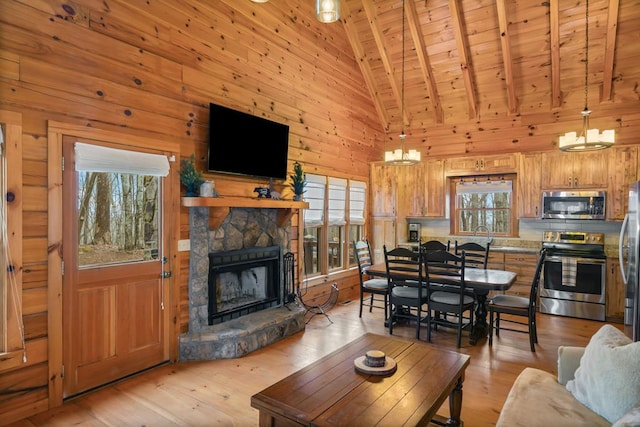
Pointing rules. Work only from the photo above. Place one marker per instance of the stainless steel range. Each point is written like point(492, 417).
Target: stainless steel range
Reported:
point(574, 275)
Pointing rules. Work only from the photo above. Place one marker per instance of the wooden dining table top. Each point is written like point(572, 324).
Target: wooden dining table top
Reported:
point(482, 279)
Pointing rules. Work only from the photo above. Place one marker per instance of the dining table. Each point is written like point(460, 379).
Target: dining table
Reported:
point(481, 281)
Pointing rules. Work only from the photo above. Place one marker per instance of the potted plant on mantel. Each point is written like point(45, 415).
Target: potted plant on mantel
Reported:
point(190, 177)
point(298, 181)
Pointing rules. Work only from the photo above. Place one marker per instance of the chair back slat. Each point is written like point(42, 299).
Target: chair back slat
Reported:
point(445, 268)
point(477, 256)
point(363, 255)
point(434, 245)
point(404, 267)
point(535, 284)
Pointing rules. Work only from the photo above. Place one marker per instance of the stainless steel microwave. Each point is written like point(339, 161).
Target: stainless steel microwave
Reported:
point(573, 204)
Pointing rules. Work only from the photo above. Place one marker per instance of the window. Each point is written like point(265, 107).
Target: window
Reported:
point(334, 219)
point(12, 338)
point(118, 204)
point(337, 220)
point(357, 198)
point(313, 222)
point(483, 205)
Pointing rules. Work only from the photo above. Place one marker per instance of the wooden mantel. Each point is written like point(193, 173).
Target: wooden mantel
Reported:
point(219, 207)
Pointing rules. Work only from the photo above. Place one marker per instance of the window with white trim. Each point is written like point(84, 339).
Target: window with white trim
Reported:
point(484, 205)
point(357, 199)
point(334, 219)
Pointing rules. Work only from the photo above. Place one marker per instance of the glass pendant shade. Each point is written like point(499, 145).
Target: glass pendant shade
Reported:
point(400, 156)
point(327, 11)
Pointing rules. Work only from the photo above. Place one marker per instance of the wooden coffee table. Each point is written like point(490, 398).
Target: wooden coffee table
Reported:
point(330, 392)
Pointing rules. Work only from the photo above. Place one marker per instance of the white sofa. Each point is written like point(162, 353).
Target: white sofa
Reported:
point(538, 398)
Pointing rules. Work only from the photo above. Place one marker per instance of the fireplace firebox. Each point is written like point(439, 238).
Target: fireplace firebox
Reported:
point(243, 281)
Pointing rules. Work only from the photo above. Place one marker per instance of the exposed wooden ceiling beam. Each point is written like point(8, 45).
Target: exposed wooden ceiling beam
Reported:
point(384, 56)
point(554, 27)
point(423, 59)
point(465, 65)
point(361, 58)
point(610, 47)
point(506, 56)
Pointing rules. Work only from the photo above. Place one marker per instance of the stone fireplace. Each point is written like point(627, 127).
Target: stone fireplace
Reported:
point(244, 256)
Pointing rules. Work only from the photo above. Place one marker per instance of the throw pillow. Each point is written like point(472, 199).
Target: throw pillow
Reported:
point(630, 419)
point(608, 378)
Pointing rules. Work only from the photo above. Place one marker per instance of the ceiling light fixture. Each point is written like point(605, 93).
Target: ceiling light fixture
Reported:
point(399, 156)
point(259, 1)
point(589, 139)
point(327, 11)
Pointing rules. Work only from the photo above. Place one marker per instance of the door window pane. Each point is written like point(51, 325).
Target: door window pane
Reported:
point(118, 218)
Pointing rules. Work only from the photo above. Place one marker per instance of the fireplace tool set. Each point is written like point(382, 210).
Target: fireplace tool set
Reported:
point(294, 292)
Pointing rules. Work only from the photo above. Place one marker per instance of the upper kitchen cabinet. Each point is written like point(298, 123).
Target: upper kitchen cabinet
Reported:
point(384, 190)
point(623, 171)
point(502, 163)
point(436, 189)
point(565, 170)
point(411, 190)
point(529, 188)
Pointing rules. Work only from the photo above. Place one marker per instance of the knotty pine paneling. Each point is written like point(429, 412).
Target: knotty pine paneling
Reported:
point(150, 69)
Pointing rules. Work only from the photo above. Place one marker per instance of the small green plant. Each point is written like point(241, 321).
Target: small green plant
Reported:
point(298, 181)
point(190, 177)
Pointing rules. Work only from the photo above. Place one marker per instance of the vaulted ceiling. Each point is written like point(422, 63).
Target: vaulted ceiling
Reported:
point(479, 61)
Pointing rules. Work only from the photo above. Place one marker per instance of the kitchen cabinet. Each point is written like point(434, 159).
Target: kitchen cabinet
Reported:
point(384, 188)
point(567, 170)
point(529, 186)
point(524, 265)
point(383, 230)
point(496, 260)
point(436, 189)
point(411, 190)
point(495, 164)
point(615, 292)
point(623, 171)
point(384, 199)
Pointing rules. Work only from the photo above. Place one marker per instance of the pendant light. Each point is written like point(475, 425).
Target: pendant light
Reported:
point(589, 139)
point(399, 156)
point(327, 11)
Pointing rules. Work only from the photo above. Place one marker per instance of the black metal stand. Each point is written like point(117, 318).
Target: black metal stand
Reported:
point(291, 295)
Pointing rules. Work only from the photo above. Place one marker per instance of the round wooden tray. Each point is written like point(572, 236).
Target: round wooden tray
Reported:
point(389, 367)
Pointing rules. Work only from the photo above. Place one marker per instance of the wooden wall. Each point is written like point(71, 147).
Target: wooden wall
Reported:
point(149, 68)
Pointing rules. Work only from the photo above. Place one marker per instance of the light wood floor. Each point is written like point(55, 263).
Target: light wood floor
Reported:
point(217, 393)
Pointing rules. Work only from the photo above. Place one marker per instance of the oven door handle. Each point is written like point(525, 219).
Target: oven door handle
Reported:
point(579, 260)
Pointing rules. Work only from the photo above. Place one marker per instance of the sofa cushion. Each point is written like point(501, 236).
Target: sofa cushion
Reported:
point(630, 419)
point(608, 378)
point(537, 399)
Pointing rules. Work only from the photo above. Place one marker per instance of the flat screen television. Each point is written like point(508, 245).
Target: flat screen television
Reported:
point(242, 144)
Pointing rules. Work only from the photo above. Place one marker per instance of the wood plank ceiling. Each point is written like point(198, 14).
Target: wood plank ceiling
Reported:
point(484, 61)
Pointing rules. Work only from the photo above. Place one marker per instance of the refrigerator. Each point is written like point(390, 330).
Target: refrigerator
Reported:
point(629, 254)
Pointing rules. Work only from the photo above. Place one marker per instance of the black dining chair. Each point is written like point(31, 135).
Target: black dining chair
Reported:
point(408, 286)
point(374, 292)
point(448, 294)
point(476, 255)
point(435, 245)
point(518, 306)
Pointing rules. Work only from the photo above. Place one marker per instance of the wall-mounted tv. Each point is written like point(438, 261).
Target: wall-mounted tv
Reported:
point(242, 144)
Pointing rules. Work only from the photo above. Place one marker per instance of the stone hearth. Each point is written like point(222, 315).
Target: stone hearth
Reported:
point(243, 228)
